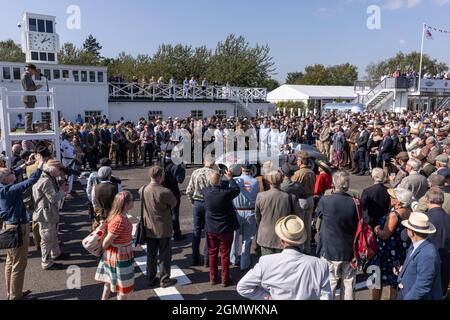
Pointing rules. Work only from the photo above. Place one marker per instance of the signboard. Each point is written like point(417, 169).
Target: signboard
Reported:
point(435, 85)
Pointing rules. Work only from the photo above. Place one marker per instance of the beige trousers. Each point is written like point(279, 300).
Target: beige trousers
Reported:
point(343, 273)
point(49, 243)
point(16, 263)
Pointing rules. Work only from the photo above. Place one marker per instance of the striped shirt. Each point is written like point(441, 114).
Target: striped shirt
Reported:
point(121, 227)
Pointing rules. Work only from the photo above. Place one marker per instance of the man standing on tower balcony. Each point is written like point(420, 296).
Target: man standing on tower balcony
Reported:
point(29, 101)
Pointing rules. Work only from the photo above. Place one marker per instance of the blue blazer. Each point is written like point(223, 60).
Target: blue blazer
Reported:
point(421, 275)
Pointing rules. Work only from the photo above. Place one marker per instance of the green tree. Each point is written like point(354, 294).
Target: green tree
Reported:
point(71, 55)
point(236, 62)
point(11, 52)
point(270, 84)
point(294, 77)
point(338, 75)
point(92, 46)
point(404, 62)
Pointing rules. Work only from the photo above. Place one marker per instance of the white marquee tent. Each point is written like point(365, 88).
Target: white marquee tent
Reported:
point(322, 94)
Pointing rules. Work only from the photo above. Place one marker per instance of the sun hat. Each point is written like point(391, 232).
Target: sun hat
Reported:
point(53, 163)
point(405, 196)
point(420, 223)
point(291, 229)
point(324, 166)
point(415, 131)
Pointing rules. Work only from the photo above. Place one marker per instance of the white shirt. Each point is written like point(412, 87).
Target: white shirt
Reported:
point(67, 149)
point(282, 138)
point(416, 245)
point(289, 275)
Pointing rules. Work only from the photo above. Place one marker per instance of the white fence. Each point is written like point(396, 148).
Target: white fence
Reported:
point(136, 91)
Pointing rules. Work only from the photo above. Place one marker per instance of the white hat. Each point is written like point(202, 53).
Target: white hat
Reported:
point(291, 229)
point(420, 223)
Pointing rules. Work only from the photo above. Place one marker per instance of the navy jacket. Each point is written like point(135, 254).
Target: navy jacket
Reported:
point(173, 176)
point(386, 149)
point(375, 203)
point(220, 214)
point(441, 220)
point(12, 209)
point(363, 140)
point(338, 228)
point(421, 274)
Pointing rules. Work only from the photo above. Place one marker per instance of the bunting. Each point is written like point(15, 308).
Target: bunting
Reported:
point(440, 30)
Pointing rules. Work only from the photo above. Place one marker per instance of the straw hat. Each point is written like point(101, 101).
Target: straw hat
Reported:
point(291, 229)
point(53, 163)
point(420, 223)
point(414, 131)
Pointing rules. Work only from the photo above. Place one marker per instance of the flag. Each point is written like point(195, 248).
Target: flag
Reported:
point(429, 35)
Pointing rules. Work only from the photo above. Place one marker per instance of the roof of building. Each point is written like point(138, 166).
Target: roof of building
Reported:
point(302, 92)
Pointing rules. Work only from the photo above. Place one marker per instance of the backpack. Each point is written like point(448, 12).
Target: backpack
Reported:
point(365, 244)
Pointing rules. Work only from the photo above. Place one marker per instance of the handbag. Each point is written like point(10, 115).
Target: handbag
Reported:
point(93, 243)
point(11, 238)
point(141, 232)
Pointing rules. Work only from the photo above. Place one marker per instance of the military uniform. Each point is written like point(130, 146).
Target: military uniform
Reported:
point(29, 101)
point(132, 146)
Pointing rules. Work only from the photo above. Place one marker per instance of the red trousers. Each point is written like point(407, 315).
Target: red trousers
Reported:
point(222, 242)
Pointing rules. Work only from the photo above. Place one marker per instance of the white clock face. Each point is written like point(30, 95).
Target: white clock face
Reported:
point(38, 41)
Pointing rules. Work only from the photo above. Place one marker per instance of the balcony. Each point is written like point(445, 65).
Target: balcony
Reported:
point(121, 92)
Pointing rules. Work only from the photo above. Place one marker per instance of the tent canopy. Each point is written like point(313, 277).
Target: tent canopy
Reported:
point(301, 93)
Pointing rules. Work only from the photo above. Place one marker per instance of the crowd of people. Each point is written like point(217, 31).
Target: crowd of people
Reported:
point(301, 217)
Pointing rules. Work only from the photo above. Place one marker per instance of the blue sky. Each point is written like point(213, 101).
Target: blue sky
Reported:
point(300, 32)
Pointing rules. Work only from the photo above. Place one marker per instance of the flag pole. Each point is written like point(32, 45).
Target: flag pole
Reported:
point(421, 56)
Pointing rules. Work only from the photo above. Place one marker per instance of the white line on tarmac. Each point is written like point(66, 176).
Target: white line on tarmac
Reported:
point(170, 293)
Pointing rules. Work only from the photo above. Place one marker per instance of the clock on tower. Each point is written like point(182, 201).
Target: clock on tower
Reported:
point(40, 43)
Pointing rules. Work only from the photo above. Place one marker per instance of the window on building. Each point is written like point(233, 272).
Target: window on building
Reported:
point(91, 76)
point(155, 114)
point(65, 74)
point(48, 26)
point(48, 74)
point(33, 25)
point(42, 56)
point(16, 73)
point(83, 76)
point(34, 56)
point(197, 114)
point(41, 25)
point(51, 57)
point(88, 115)
point(37, 75)
point(7, 73)
point(56, 74)
point(221, 113)
point(76, 76)
point(100, 77)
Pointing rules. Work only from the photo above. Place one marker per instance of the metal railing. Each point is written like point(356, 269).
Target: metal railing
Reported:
point(135, 91)
point(401, 83)
point(6, 110)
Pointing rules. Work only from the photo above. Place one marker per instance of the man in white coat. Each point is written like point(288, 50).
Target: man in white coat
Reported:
point(289, 275)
